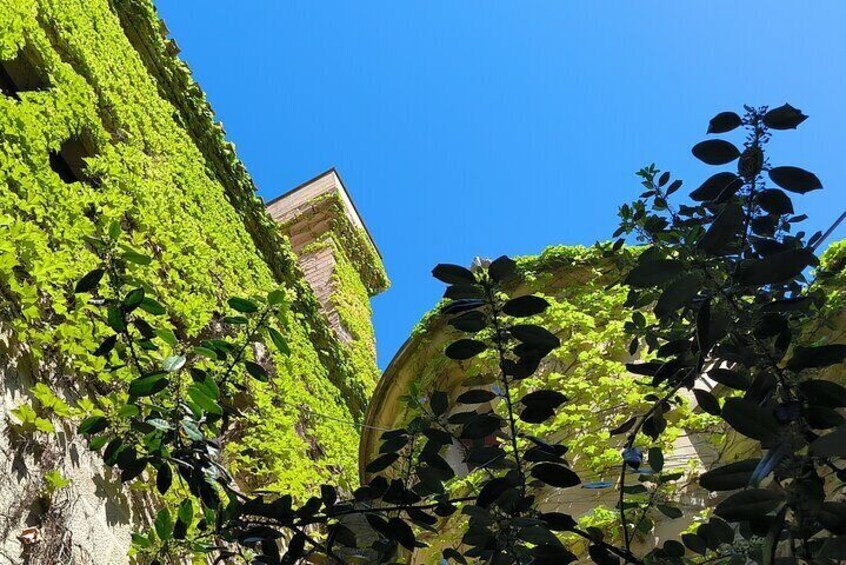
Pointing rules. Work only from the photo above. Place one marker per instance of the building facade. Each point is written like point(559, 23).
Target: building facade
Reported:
point(100, 122)
point(589, 368)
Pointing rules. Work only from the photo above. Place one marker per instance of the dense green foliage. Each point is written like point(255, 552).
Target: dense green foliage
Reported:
point(357, 275)
point(589, 318)
point(159, 167)
point(157, 306)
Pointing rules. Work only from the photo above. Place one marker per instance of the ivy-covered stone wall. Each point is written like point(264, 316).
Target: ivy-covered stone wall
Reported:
point(109, 88)
point(589, 316)
point(342, 265)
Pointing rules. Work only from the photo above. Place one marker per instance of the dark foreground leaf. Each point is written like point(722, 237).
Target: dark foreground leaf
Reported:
point(752, 504)
point(715, 152)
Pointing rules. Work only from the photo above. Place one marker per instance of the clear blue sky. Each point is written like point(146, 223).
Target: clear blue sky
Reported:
point(482, 128)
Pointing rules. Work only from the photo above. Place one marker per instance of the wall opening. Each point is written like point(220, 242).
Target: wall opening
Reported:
point(69, 161)
point(21, 75)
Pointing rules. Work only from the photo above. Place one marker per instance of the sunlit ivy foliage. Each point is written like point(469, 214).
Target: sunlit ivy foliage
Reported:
point(590, 319)
point(148, 284)
point(157, 165)
point(351, 300)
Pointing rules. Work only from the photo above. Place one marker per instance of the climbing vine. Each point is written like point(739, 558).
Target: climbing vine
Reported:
point(157, 165)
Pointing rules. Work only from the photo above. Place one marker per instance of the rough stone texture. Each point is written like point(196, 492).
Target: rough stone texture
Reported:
point(88, 521)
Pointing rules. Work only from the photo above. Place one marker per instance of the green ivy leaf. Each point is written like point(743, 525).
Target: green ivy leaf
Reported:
point(276, 297)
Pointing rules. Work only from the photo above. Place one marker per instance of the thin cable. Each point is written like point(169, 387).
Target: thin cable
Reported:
point(829, 231)
point(350, 422)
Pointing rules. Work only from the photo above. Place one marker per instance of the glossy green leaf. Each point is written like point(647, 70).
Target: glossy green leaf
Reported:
point(784, 117)
point(750, 419)
point(776, 268)
point(528, 305)
point(147, 386)
point(654, 273)
point(90, 281)
point(136, 257)
point(164, 524)
point(256, 371)
point(93, 425)
point(724, 229)
point(707, 401)
point(279, 341)
point(152, 307)
point(242, 305)
point(555, 475)
point(173, 363)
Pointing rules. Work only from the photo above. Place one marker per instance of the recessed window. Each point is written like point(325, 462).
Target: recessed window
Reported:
point(69, 161)
point(21, 75)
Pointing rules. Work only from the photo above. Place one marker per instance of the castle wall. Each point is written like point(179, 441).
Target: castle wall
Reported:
point(111, 127)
